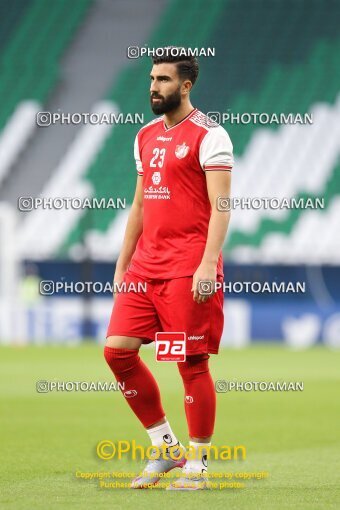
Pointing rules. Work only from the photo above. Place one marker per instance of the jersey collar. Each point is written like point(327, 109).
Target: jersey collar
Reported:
point(180, 122)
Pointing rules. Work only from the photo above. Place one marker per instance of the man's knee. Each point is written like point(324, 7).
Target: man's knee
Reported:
point(194, 366)
point(123, 342)
point(122, 361)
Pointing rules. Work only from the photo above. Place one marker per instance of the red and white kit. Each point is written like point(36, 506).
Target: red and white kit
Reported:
point(173, 162)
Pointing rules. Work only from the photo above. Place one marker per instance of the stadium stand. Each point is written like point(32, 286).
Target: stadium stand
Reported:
point(267, 74)
point(34, 51)
point(16, 133)
point(291, 66)
point(10, 15)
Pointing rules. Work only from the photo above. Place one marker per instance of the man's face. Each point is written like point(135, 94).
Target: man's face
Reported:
point(165, 88)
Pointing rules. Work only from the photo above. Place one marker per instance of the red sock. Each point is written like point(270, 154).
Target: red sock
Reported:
point(200, 396)
point(140, 387)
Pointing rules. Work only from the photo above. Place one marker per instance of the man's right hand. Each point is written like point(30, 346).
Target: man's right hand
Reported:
point(118, 279)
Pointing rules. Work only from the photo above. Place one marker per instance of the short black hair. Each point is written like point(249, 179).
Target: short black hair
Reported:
point(186, 63)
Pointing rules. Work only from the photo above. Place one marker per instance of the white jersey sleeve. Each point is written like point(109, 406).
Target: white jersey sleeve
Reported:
point(137, 157)
point(216, 150)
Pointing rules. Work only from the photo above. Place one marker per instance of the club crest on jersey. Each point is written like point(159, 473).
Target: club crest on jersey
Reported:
point(182, 150)
point(156, 177)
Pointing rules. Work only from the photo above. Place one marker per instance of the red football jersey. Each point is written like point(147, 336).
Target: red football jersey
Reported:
point(173, 162)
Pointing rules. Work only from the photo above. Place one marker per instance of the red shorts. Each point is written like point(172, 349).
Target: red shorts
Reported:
point(168, 305)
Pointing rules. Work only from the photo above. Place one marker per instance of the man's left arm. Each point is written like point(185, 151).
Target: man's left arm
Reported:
point(218, 185)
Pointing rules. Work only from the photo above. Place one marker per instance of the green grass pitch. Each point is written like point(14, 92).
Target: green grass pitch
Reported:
point(47, 438)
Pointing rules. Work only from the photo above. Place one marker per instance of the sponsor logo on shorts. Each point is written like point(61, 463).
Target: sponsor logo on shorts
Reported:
point(170, 346)
point(189, 399)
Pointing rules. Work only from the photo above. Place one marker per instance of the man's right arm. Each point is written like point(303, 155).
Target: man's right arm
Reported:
point(133, 232)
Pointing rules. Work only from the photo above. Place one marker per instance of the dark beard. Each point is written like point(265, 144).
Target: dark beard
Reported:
point(169, 104)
